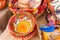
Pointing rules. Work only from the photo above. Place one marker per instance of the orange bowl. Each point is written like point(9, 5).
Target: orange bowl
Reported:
point(2, 4)
point(35, 11)
point(22, 33)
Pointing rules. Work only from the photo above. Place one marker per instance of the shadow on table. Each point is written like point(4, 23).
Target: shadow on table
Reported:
point(4, 20)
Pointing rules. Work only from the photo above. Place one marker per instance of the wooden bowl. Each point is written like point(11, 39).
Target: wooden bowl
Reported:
point(36, 12)
point(32, 30)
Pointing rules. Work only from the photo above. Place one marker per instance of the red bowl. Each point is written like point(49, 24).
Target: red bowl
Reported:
point(39, 9)
point(11, 28)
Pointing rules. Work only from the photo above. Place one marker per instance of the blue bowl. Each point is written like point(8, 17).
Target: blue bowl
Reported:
point(47, 28)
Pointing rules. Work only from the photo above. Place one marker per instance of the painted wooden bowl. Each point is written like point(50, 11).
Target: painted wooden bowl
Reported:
point(35, 7)
point(22, 25)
